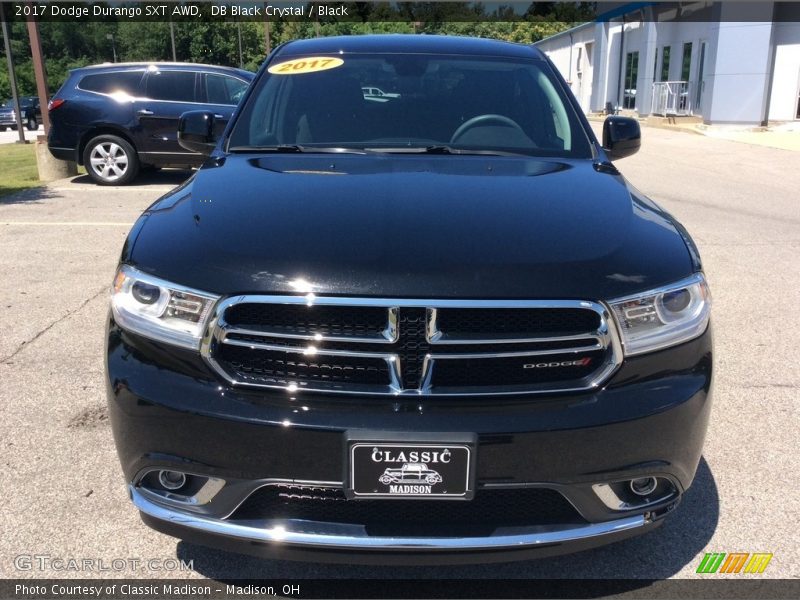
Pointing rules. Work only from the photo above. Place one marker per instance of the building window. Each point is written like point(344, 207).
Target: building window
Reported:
point(686, 63)
point(655, 66)
point(631, 76)
point(665, 64)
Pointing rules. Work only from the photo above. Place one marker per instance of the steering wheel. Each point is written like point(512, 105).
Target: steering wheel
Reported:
point(481, 120)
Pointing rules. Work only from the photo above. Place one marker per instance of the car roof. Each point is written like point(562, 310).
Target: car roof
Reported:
point(410, 44)
point(180, 66)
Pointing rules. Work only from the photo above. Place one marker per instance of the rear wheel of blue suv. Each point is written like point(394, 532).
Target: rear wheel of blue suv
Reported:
point(118, 120)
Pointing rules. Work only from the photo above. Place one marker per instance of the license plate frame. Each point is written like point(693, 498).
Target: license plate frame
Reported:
point(410, 467)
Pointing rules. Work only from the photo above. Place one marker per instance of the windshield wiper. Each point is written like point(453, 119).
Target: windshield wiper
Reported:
point(294, 148)
point(444, 149)
point(280, 148)
point(433, 149)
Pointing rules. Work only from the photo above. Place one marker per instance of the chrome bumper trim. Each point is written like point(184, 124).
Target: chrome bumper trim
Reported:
point(341, 536)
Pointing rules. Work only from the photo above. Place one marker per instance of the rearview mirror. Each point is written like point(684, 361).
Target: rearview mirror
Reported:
point(196, 131)
point(621, 137)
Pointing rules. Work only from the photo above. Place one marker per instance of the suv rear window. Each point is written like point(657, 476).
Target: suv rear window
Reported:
point(173, 86)
point(110, 83)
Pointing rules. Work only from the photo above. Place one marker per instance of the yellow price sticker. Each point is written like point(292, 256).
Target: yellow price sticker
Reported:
point(299, 66)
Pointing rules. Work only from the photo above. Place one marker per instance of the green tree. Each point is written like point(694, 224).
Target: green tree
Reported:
point(70, 45)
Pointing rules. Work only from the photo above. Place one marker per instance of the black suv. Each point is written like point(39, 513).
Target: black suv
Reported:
point(117, 119)
point(441, 327)
point(30, 112)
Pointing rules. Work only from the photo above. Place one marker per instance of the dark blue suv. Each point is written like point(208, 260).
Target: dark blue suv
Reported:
point(119, 119)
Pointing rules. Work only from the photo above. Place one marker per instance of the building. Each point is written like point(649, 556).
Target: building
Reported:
point(736, 63)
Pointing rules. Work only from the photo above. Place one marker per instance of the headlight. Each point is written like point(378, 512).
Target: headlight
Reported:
point(158, 309)
point(664, 317)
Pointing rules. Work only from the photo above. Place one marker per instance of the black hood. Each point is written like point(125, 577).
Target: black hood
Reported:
point(409, 226)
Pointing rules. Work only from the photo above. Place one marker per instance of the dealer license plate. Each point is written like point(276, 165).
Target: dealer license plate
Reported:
point(410, 470)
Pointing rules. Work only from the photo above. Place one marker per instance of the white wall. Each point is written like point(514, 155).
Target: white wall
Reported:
point(572, 61)
point(740, 73)
point(637, 38)
point(674, 35)
point(786, 73)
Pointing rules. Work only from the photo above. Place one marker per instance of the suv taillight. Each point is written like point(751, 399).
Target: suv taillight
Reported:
point(55, 103)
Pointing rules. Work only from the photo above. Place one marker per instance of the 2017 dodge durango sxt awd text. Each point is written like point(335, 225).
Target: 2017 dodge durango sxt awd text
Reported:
point(437, 328)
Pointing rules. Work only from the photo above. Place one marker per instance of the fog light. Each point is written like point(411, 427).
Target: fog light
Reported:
point(643, 486)
point(171, 480)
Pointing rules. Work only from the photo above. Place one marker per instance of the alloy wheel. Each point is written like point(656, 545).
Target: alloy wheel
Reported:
point(109, 161)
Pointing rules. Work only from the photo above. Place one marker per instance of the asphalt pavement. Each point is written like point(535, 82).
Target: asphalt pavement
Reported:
point(63, 492)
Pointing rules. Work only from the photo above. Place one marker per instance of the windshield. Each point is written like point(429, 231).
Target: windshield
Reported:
point(410, 102)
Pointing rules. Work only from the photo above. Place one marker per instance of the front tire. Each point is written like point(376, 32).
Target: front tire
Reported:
point(110, 160)
point(32, 124)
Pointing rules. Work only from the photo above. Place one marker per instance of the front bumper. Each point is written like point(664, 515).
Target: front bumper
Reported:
point(334, 542)
point(168, 411)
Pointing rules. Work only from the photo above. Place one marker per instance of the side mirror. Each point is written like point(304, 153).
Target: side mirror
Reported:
point(621, 137)
point(196, 131)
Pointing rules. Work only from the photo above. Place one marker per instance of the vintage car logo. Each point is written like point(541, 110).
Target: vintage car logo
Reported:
point(411, 478)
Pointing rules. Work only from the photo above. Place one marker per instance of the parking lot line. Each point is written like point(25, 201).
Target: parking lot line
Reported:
point(67, 223)
point(133, 188)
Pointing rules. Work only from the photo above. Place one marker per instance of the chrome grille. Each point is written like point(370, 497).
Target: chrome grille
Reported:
point(412, 347)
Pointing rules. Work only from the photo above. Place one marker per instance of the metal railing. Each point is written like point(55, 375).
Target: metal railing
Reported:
point(672, 98)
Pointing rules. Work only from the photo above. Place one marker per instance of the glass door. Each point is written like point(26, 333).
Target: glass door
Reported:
point(700, 83)
point(631, 77)
point(686, 65)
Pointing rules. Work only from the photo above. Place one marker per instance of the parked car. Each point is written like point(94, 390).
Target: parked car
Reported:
point(459, 278)
point(30, 109)
point(121, 118)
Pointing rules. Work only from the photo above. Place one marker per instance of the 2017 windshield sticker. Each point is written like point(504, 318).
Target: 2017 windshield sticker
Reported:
point(299, 66)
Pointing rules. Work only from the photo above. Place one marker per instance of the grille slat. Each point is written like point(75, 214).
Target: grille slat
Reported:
point(293, 368)
point(304, 320)
point(516, 322)
point(487, 511)
point(413, 347)
point(512, 370)
point(439, 348)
